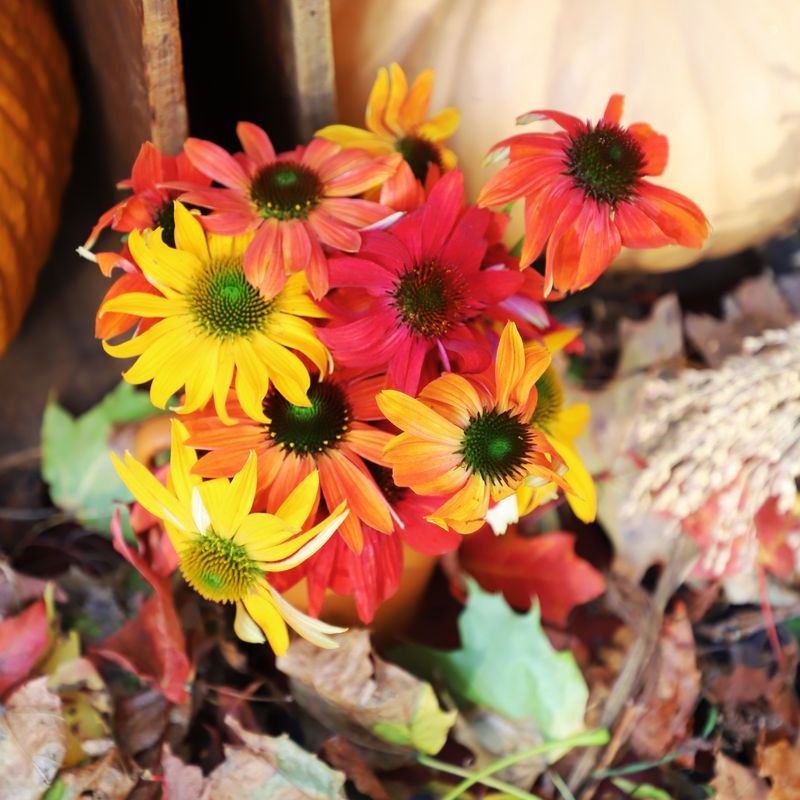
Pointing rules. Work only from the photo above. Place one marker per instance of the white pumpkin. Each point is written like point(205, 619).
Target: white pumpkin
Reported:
point(721, 78)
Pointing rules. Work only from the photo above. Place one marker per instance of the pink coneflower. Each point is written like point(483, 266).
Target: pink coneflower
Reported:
point(585, 194)
point(297, 202)
point(424, 280)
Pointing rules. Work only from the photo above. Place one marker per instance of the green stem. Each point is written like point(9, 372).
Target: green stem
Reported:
point(584, 739)
point(492, 783)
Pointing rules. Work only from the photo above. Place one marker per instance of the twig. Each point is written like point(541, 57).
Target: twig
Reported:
point(21, 458)
point(492, 783)
point(629, 680)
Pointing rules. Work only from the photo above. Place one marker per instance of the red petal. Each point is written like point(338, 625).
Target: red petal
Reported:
point(566, 121)
point(613, 112)
point(256, 143)
point(24, 639)
point(655, 146)
point(675, 214)
point(263, 260)
point(441, 212)
point(147, 169)
point(215, 162)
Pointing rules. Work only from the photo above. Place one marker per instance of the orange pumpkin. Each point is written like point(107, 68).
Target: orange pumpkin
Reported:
point(38, 119)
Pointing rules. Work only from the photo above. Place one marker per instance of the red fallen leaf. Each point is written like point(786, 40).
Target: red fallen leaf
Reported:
point(775, 531)
point(24, 639)
point(521, 567)
point(152, 646)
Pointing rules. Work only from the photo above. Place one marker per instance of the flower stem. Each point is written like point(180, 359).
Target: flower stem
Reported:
point(492, 783)
point(584, 739)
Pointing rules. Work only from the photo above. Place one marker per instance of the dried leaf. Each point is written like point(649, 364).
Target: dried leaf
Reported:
point(524, 567)
point(140, 721)
point(272, 768)
point(104, 779)
point(652, 341)
point(780, 762)
point(32, 741)
point(672, 690)
point(341, 755)
point(17, 589)
point(376, 705)
point(182, 781)
point(734, 781)
point(24, 639)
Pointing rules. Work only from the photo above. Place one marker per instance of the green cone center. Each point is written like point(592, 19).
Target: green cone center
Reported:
point(286, 190)
point(605, 161)
point(495, 446)
point(419, 153)
point(550, 399)
point(225, 303)
point(218, 569)
point(429, 299)
point(309, 429)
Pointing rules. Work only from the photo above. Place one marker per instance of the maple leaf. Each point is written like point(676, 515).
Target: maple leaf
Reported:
point(523, 567)
point(152, 645)
point(24, 640)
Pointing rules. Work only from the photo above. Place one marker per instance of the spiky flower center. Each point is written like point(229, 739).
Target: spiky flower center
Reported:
point(218, 569)
point(385, 482)
point(496, 445)
point(550, 399)
point(286, 190)
point(309, 429)
point(605, 161)
point(419, 153)
point(429, 298)
point(164, 218)
point(225, 304)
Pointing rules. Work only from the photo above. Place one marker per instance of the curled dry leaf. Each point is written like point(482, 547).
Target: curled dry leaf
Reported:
point(733, 781)
point(491, 736)
point(17, 589)
point(780, 762)
point(671, 692)
point(33, 741)
point(262, 768)
point(341, 755)
point(376, 705)
point(104, 779)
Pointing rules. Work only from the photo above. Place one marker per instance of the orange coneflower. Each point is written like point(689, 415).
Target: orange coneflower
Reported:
point(332, 435)
point(473, 440)
point(396, 121)
point(586, 197)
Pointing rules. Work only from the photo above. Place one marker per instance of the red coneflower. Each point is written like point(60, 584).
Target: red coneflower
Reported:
point(296, 201)
point(426, 286)
point(585, 195)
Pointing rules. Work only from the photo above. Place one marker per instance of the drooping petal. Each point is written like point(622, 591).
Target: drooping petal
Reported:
point(215, 162)
point(256, 143)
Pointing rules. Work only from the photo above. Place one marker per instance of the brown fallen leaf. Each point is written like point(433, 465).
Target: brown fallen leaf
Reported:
point(780, 762)
point(341, 755)
point(733, 781)
point(104, 779)
point(261, 768)
point(33, 741)
point(491, 736)
point(17, 589)
point(671, 691)
point(378, 706)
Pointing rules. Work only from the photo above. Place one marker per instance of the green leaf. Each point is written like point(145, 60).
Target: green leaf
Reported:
point(507, 663)
point(428, 728)
point(75, 455)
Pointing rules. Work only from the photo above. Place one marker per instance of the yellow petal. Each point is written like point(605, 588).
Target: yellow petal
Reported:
point(419, 97)
point(376, 105)
point(252, 380)
point(150, 493)
point(398, 89)
point(181, 460)
point(245, 627)
point(189, 233)
point(264, 612)
point(350, 137)
point(163, 266)
point(558, 340)
point(138, 344)
point(143, 304)
point(296, 508)
point(200, 382)
point(242, 492)
point(222, 383)
point(313, 630)
point(583, 498)
point(509, 365)
point(416, 418)
point(571, 422)
point(286, 371)
point(293, 552)
point(440, 127)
